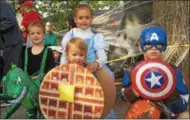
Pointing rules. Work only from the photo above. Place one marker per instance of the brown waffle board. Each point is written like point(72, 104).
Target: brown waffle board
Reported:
point(89, 97)
point(109, 89)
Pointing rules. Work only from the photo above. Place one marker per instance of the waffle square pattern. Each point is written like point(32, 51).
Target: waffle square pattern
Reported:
point(71, 91)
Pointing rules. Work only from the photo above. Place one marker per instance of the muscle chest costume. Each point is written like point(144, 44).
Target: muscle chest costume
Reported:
point(156, 37)
point(177, 102)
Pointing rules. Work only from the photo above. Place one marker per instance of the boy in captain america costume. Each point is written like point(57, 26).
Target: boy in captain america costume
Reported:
point(153, 42)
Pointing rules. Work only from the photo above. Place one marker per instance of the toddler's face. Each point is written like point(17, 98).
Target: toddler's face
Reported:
point(83, 18)
point(36, 35)
point(75, 55)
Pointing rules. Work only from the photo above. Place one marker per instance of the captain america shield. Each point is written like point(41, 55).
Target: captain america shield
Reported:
point(153, 79)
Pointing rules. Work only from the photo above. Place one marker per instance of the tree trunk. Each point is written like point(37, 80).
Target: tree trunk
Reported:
point(173, 16)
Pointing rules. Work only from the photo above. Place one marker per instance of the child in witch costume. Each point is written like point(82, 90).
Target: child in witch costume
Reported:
point(38, 59)
point(153, 41)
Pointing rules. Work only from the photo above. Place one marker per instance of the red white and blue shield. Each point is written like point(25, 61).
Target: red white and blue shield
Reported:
point(154, 79)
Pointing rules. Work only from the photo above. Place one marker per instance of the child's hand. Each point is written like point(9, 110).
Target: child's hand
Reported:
point(135, 93)
point(22, 28)
point(92, 66)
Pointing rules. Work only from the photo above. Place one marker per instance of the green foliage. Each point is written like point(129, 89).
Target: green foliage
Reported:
point(57, 11)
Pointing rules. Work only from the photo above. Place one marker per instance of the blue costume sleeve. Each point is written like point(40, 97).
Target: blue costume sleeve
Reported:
point(179, 106)
point(127, 93)
point(181, 86)
point(126, 80)
point(182, 102)
point(125, 83)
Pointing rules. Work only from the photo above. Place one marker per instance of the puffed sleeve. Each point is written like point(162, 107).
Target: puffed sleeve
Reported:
point(99, 46)
point(65, 40)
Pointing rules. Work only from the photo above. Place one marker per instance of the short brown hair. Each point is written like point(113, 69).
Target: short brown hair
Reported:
point(37, 24)
point(82, 6)
point(79, 43)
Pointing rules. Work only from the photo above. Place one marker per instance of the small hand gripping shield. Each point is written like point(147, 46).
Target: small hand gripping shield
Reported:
point(154, 79)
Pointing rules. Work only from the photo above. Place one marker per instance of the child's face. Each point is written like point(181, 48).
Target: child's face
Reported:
point(152, 53)
point(83, 18)
point(75, 55)
point(36, 35)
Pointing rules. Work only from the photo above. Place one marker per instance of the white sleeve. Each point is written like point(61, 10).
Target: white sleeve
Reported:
point(63, 58)
point(99, 46)
point(64, 41)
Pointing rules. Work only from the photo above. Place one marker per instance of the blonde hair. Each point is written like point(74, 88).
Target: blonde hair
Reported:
point(36, 24)
point(82, 6)
point(79, 43)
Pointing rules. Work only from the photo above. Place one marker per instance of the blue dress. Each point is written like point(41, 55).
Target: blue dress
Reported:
point(91, 53)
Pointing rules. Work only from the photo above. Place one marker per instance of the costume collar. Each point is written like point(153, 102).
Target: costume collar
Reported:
point(84, 31)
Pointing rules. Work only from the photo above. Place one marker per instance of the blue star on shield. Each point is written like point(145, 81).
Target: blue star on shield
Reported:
point(154, 80)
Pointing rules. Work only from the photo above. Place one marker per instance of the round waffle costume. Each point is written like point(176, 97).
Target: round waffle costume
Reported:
point(71, 91)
